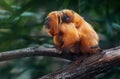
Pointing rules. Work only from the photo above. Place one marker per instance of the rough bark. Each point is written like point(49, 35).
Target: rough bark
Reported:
point(83, 68)
point(89, 67)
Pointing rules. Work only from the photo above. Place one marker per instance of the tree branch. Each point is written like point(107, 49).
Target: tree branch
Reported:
point(86, 69)
point(34, 51)
point(89, 67)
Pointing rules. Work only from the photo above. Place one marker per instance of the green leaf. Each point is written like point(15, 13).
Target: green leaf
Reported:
point(5, 5)
point(116, 26)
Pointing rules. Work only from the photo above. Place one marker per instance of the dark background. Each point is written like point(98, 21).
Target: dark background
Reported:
point(21, 25)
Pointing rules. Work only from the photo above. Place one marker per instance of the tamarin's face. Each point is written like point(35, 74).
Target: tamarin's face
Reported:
point(52, 22)
point(71, 16)
point(67, 16)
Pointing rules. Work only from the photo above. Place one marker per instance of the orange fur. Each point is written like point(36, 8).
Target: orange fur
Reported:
point(70, 31)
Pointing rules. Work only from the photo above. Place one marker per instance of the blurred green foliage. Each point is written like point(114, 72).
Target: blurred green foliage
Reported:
point(21, 25)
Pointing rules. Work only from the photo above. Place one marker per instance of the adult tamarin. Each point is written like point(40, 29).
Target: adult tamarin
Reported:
point(65, 35)
point(70, 31)
point(89, 39)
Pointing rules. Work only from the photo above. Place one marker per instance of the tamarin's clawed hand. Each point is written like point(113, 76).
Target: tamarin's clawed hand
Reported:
point(71, 32)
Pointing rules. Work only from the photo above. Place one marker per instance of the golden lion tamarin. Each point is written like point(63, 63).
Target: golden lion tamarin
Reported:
point(88, 37)
point(70, 31)
point(62, 32)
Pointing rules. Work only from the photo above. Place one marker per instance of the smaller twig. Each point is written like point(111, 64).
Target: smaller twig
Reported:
point(34, 51)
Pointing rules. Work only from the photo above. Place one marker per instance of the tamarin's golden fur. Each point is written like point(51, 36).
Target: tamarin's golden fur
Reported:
point(71, 32)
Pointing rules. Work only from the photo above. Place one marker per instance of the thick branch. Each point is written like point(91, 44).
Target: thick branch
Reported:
point(92, 65)
point(89, 67)
point(34, 51)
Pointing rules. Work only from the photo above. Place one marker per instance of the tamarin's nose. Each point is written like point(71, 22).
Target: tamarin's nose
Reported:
point(47, 22)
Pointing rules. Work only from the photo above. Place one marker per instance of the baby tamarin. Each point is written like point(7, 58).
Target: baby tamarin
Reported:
point(70, 31)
